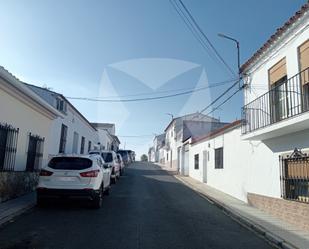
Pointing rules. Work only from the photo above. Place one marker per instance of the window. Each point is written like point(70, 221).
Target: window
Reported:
point(196, 161)
point(107, 156)
point(63, 138)
point(277, 72)
point(35, 152)
point(303, 55)
point(82, 146)
point(61, 105)
point(89, 146)
point(277, 78)
point(70, 163)
point(75, 142)
point(8, 146)
point(219, 158)
point(294, 177)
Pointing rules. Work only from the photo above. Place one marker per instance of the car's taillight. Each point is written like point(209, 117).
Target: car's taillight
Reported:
point(44, 172)
point(92, 173)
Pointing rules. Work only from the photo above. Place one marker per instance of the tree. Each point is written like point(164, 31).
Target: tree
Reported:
point(144, 158)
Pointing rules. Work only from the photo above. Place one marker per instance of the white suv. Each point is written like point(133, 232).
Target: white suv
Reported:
point(74, 176)
point(110, 158)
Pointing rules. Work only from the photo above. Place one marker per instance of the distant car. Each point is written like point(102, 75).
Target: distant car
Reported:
point(120, 161)
point(74, 176)
point(125, 156)
point(110, 158)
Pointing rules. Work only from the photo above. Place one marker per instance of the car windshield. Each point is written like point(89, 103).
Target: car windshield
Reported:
point(123, 153)
point(70, 163)
point(107, 156)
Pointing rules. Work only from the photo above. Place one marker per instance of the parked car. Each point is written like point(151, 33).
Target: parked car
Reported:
point(74, 176)
point(120, 161)
point(110, 158)
point(132, 155)
point(125, 156)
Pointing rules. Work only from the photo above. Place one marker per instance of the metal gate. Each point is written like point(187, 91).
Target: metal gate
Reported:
point(8, 146)
point(35, 152)
point(295, 176)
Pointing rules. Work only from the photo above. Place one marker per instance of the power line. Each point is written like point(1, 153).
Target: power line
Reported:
point(220, 96)
point(193, 30)
point(150, 98)
point(217, 107)
point(206, 38)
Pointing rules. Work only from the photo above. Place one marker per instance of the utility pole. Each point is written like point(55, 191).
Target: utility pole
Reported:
point(238, 52)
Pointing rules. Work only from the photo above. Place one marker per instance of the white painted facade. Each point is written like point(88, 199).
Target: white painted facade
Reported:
point(257, 79)
point(248, 166)
point(23, 109)
point(175, 152)
point(78, 127)
point(251, 161)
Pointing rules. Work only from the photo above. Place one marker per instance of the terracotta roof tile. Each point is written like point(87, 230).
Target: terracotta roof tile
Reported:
point(276, 35)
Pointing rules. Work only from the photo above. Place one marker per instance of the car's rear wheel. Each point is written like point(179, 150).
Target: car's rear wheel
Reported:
point(98, 199)
point(107, 190)
point(40, 202)
point(114, 179)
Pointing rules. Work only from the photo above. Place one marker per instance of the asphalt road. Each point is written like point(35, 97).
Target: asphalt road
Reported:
point(147, 208)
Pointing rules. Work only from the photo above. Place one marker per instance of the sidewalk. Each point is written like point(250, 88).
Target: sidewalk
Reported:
point(170, 170)
point(12, 208)
point(282, 234)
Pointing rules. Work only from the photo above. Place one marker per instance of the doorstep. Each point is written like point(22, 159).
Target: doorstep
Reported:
point(273, 229)
point(12, 208)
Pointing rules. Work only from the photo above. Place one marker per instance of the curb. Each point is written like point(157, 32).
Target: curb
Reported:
point(263, 232)
point(14, 214)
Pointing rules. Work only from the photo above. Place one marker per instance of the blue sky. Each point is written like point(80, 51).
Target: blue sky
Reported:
point(94, 48)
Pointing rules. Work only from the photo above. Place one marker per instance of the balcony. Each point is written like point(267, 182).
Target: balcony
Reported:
point(282, 110)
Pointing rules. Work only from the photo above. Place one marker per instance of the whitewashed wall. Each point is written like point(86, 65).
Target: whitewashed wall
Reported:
point(287, 47)
point(22, 116)
point(248, 166)
point(75, 124)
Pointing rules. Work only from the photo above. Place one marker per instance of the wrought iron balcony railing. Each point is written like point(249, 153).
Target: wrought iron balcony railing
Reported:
point(287, 99)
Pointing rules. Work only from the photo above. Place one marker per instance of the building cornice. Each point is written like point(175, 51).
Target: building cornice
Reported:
point(11, 85)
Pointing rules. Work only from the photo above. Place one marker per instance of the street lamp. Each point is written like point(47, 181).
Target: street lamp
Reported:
point(238, 52)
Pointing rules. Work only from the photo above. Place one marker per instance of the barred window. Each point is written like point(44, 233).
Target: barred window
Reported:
point(8, 147)
point(196, 161)
point(82, 146)
point(35, 152)
point(63, 138)
point(219, 158)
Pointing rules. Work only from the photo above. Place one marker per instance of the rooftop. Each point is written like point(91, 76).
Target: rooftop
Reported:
point(272, 40)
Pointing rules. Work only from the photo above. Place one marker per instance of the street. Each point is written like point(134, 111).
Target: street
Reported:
point(147, 208)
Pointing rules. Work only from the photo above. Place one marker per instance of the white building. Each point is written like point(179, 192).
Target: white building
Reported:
point(265, 160)
point(151, 154)
point(26, 120)
point(276, 116)
point(158, 144)
point(108, 139)
point(178, 130)
point(71, 133)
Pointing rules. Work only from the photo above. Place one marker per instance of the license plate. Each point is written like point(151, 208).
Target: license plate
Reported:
point(67, 179)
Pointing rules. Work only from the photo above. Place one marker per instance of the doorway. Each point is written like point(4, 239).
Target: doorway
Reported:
point(205, 158)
